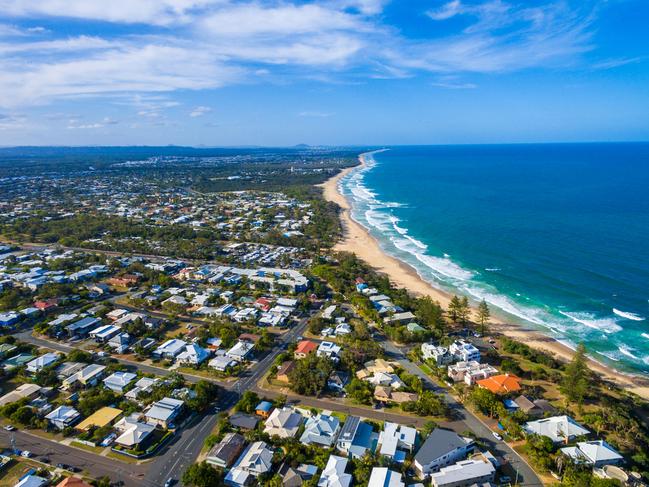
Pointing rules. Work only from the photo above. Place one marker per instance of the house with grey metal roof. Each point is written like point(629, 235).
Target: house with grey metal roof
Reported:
point(442, 448)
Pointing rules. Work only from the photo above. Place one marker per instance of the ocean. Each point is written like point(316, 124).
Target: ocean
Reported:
point(553, 236)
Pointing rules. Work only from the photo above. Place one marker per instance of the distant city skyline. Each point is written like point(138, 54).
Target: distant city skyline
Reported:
point(328, 72)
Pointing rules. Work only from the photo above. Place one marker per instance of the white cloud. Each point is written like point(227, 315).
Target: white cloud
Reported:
point(155, 12)
point(220, 42)
point(199, 111)
point(446, 11)
point(315, 114)
point(148, 68)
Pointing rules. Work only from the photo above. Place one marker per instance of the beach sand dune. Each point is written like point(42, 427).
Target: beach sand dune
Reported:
point(358, 240)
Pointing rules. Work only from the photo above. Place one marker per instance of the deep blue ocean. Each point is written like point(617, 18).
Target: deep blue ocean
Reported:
point(555, 236)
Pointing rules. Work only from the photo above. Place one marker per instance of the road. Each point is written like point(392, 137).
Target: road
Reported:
point(466, 420)
point(176, 456)
point(97, 465)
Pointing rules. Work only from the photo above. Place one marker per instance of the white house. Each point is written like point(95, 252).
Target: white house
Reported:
point(164, 411)
point(222, 363)
point(395, 440)
point(63, 416)
point(254, 461)
point(560, 429)
point(193, 355)
point(464, 351)
point(334, 474)
point(170, 349)
point(119, 380)
point(596, 453)
point(39, 363)
point(440, 355)
point(283, 422)
point(329, 349)
point(384, 477)
point(464, 473)
point(241, 351)
point(321, 430)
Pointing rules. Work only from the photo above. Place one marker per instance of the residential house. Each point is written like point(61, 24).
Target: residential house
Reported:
point(104, 333)
point(263, 409)
point(440, 355)
point(39, 363)
point(99, 419)
point(119, 380)
point(88, 376)
point(396, 441)
point(334, 474)
point(304, 348)
point(170, 349)
point(337, 380)
point(329, 349)
point(164, 411)
point(321, 430)
point(63, 416)
point(470, 372)
point(442, 448)
point(222, 363)
point(384, 477)
point(23, 391)
point(500, 384)
point(284, 371)
point(134, 434)
point(283, 422)
point(145, 384)
point(534, 408)
point(241, 351)
point(355, 438)
point(193, 355)
point(464, 351)
point(257, 459)
point(464, 474)
point(243, 421)
point(404, 317)
point(593, 453)
point(560, 429)
point(225, 452)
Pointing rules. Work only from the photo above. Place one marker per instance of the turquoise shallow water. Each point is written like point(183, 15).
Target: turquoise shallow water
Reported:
point(553, 235)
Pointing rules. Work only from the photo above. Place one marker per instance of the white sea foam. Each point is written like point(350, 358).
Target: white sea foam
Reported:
point(628, 315)
point(607, 325)
point(645, 335)
point(492, 269)
point(444, 266)
point(609, 356)
point(627, 351)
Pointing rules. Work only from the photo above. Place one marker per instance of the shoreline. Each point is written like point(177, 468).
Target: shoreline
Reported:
point(357, 239)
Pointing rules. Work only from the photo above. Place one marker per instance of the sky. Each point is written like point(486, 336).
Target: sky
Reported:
point(322, 72)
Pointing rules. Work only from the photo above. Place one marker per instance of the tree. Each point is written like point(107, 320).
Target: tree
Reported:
point(202, 475)
point(454, 309)
point(309, 376)
point(464, 311)
point(577, 377)
point(483, 315)
point(360, 391)
point(247, 403)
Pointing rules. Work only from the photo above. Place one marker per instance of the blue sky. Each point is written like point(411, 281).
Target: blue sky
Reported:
point(228, 72)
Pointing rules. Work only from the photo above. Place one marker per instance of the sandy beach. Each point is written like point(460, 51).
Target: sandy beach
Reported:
point(358, 240)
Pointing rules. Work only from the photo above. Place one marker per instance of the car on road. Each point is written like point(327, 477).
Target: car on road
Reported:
point(45, 460)
point(169, 482)
point(497, 436)
point(10, 427)
point(505, 479)
point(26, 454)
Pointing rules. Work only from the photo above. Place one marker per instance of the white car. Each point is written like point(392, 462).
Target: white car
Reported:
point(10, 427)
point(497, 436)
point(25, 454)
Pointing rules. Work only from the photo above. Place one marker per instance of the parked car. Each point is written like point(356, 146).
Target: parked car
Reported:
point(169, 482)
point(26, 454)
point(10, 427)
point(497, 436)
